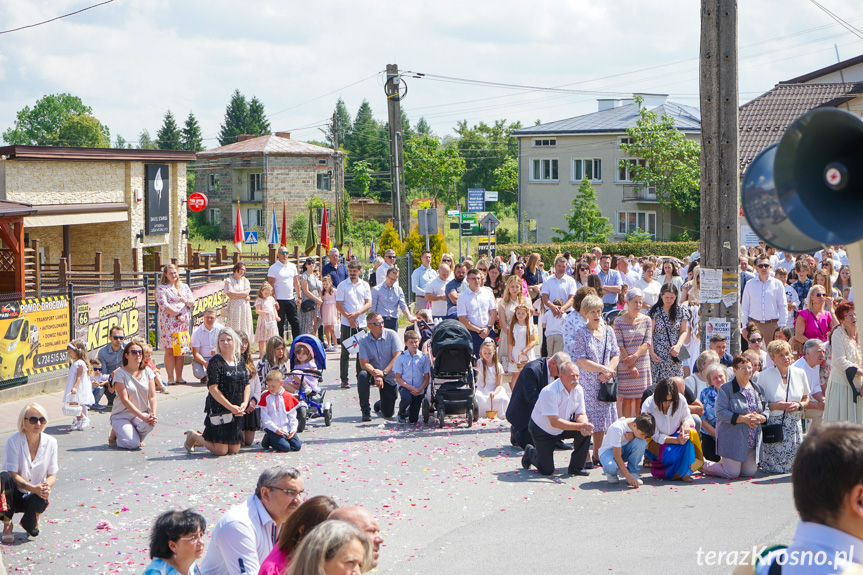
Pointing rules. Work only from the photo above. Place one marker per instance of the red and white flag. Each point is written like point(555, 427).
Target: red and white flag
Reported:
point(239, 234)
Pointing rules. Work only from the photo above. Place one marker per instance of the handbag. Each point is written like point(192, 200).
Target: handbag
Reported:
point(607, 389)
point(221, 419)
point(180, 343)
point(308, 305)
point(772, 432)
point(71, 407)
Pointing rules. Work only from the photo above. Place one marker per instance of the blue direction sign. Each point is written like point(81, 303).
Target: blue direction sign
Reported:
point(476, 200)
point(251, 238)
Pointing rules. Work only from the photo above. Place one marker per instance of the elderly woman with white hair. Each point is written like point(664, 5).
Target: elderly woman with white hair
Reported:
point(29, 471)
point(228, 385)
point(633, 331)
point(716, 376)
point(332, 548)
point(698, 381)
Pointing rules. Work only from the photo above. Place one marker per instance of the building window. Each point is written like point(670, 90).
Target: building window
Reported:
point(624, 141)
point(324, 181)
point(545, 143)
point(255, 187)
point(544, 170)
point(628, 221)
point(213, 183)
point(214, 216)
point(254, 217)
point(590, 168)
point(626, 167)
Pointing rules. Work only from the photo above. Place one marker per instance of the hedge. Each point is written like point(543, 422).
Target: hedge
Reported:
point(548, 252)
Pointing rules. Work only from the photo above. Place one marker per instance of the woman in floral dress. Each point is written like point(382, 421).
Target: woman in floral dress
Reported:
point(238, 313)
point(670, 328)
point(175, 302)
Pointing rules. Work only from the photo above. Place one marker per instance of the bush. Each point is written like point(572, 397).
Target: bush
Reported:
point(548, 252)
point(199, 228)
point(299, 229)
point(390, 240)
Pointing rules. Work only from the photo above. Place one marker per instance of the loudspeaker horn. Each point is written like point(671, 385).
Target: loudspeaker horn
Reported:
point(807, 191)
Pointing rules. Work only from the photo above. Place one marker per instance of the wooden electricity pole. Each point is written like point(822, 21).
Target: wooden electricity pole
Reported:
point(335, 181)
point(720, 198)
point(392, 88)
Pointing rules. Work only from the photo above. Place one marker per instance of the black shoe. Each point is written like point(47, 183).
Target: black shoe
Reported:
point(525, 458)
point(561, 446)
point(588, 465)
point(265, 442)
point(402, 418)
point(378, 406)
point(582, 472)
point(367, 416)
point(512, 440)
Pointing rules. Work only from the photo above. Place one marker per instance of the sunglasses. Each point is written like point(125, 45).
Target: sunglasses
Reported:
point(35, 420)
point(482, 269)
point(446, 260)
point(376, 323)
point(819, 295)
point(136, 352)
point(756, 340)
point(394, 257)
point(117, 337)
point(97, 369)
point(763, 265)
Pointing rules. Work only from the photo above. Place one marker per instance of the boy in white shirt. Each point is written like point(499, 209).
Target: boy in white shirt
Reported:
point(625, 441)
point(279, 416)
point(553, 327)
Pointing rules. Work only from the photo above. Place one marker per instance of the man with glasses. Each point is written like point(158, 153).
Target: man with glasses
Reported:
point(389, 262)
point(285, 280)
point(111, 357)
point(353, 300)
point(246, 534)
point(388, 298)
point(335, 268)
point(420, 278)
point(436, 292)
point(377, 355)
point(477, 310)
point(764, 302)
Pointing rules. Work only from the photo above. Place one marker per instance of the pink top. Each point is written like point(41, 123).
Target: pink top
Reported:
point(816, 328)
point(276, 563)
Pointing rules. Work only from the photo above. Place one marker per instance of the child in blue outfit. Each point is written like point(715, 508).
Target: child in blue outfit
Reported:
point(413, 370)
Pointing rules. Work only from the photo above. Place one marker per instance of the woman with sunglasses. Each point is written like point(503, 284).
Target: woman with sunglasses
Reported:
point(176, 542)
point(582, 271)
point(756, 346)
point(816, 319)
point(29, 471)
point(134, 416)
point(448, 260)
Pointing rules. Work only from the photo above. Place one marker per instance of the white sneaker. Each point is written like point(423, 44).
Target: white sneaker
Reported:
point(84, 423)
point(638, 478)
point(612, 478)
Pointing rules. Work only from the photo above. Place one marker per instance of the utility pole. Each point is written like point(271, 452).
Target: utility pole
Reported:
point(336, 182)
point(392, 89)
point(720, 197)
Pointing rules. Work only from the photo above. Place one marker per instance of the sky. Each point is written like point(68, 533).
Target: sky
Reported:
point(132, 60)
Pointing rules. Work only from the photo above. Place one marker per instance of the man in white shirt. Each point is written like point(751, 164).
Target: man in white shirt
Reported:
point(559, 286)
point(389, 261)
point(246, 534)
point(814, 354)
point(353, 300)
point(786, 262)
point(764, 301)
point(559, 413)
point(477, 309)
point(420, 278)
point(285, 280)
point(204, 343)
point(436, 292)
point(630, 278)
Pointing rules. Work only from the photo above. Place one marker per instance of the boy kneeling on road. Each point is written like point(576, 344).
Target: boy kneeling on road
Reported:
point(413, 370)
point(279, 416)
point(625, 442)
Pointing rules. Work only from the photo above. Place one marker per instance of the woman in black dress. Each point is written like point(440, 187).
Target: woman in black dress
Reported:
point(228, 384)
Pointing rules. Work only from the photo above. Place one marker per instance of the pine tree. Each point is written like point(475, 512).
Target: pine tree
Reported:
point(168, 136)
point(236, 119)
point(585, 220)
point(367, 140)
point(423, 128)
point(192, 139)
point(145, 142)
point(343, 117)
point(258, 124)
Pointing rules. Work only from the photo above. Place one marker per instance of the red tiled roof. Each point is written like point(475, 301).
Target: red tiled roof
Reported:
point(271, 144)
point(763, 120)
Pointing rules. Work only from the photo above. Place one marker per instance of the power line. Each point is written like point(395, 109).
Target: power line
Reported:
point(57, 18)
point(842, 22)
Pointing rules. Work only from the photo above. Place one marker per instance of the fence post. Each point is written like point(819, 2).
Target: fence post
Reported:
point(157, 258)
point(118, 270)
point(38, 274)
point(196, 260)
point(63, 271)
point(189, 252)
point(208, 264)
point(224, 252)
point(97, 264)
point(218, 257)
point(271, 257)
point(297, 255)
point(70, 291)
point(236, 257)
point(188, 278)
point(135, 267)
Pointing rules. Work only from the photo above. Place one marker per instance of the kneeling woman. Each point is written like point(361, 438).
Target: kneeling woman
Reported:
point(29, 471)
point(741, 408)
point(674, 450)
point(134, 416)
point(228, 384)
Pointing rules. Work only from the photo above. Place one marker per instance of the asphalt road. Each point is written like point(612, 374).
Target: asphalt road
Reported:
point(451, 500)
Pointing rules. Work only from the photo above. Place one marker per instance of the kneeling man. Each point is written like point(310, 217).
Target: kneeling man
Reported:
point(559, 413)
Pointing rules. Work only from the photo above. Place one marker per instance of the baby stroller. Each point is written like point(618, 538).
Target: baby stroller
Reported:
point(311, 407)
point(452, 381)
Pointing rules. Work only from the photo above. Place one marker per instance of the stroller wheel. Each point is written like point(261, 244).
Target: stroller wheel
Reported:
point(426, 410)
point(302, 413)
point(328, 416)
point(469, 416)
point(440, 414)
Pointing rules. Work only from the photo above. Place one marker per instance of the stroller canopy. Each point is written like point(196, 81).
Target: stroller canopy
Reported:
point(317, 349)
point(450, 333)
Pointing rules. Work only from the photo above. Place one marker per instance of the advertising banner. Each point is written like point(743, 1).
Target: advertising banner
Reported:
point(33, 336)
point(158, 199)
point(96, 314)
point(207, 296)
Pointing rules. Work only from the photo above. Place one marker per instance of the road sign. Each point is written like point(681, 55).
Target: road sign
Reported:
point(475, 220)
point(491, 196)
point(427, 221)
point(197, 202)
point(475, 200)
point(483, 247)
point(251, 238)
point(452, 213)
point(489, 223)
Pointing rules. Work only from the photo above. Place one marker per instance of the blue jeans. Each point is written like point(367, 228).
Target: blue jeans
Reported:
point(632, 453)
point(98, 392)
point(410, 405)
point(281, 443)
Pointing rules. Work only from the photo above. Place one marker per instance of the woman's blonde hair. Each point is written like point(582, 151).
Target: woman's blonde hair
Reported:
point(495, 360)
point(236, 354)
point(590, 303)
point(507, 298)
point(814, 290)
point(34, 407)
point(531, 262)
point(323, 543)
point(778, 346)
point(165, 281)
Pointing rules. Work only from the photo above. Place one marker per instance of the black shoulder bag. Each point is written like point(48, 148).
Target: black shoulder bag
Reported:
point(772, 432)
point(608, 389)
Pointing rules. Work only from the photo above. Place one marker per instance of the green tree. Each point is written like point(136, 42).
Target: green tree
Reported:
point(258, 124)
point(168, 137)
point(367, 141)
point(121, 142)
point(671, 160)
point(506, 176)
point(145, 142)
point(83, 130)
point(236, 119)
point(192, 138)
point(362, 177)
point(638, 236)
point(343, 118)
point(390, 240)
point(423, 128)
point(40, 125)
point(585, 220)
point(431, 166)
point(298, 229)
point(485, 148)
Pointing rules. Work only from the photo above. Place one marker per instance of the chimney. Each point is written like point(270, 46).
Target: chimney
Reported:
point(244, 137)
point(285, 135)
point(607, 103)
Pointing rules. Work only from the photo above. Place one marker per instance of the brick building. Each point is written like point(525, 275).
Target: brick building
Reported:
point(266, 173)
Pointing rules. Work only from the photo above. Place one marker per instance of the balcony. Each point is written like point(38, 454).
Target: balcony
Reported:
point(636, 193)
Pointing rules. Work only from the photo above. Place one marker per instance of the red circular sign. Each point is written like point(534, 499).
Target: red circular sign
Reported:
point(198, 202)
